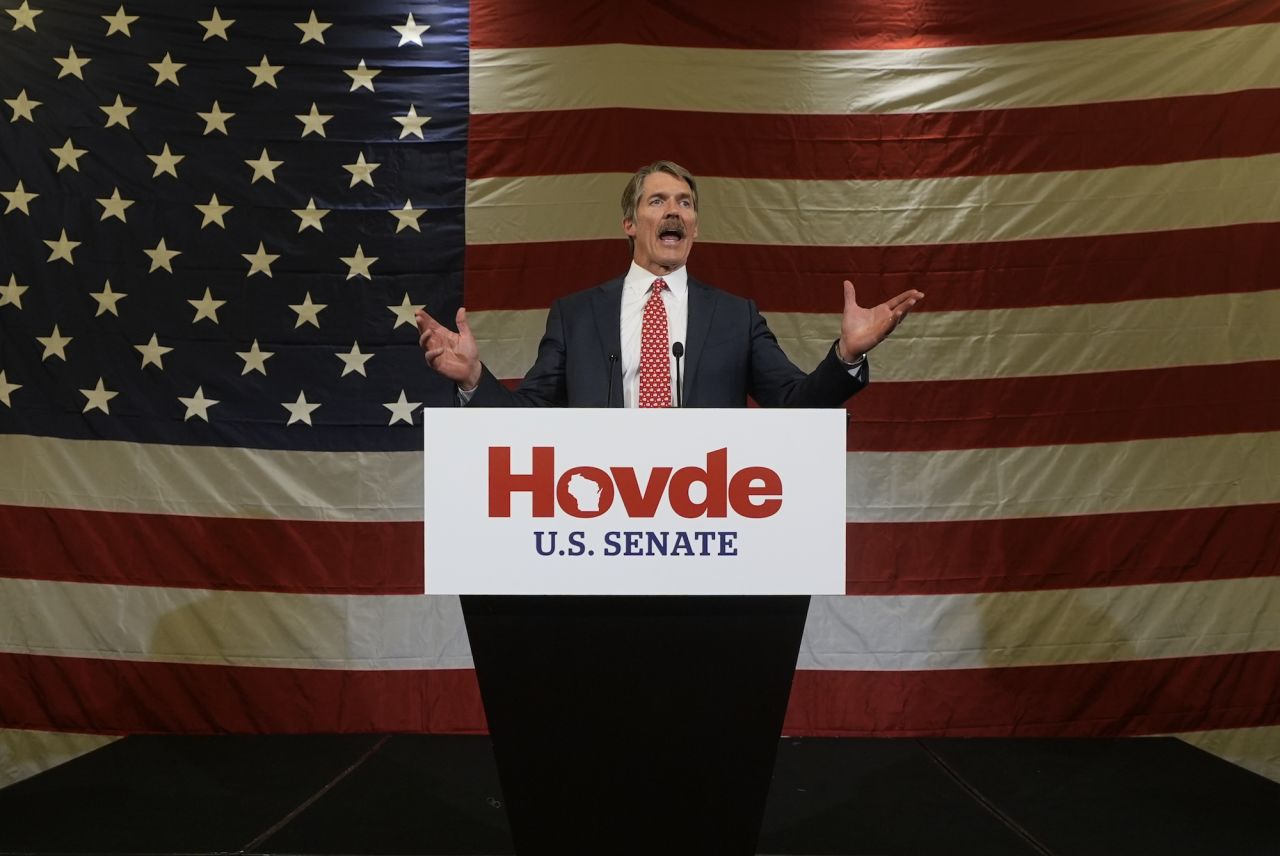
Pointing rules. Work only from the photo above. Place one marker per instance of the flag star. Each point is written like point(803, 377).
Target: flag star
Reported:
point(215, 120)
point(358, 265)
point(197, 405)
point(71, 64)
point(69, 156)
point(119, 22)
point(18, 199)
point(259, 261)
point(216, 26)
point(107, 300)
point(166, 162)
point(152, 353)
point(22, 106)
point(206, 307)
point(12, 293)
point(310, 217)
point(402, 409)
point(362, 76)
point(167, 70)
point(407, 217)
point(264, 167)
point(264, 72)
point(300, 410)
point(7, 388)
point(114, 206)
point(410, 32)
point(212, 211)
point(117, 113)
point(308, 312)
point(404, 312)
point(353, 360)
point(361, 171)
point(55, 344)
point(411, 123)
point(312, 29)
point(98, 398)
point(161, 257)
point(62, 248)
point(24, 16)
point(313, 122)
point(255, 359)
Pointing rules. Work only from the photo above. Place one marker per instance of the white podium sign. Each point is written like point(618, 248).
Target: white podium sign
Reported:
point(578, 501)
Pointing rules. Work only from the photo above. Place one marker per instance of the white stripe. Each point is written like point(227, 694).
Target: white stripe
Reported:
point(1256, 749)
point(1214, 329)
point(209, 481)
point(982, 77)
point(969, 484)
point(25, 753)
point(232, 628)
point(856, 633)
point(1212, 471)
point(965, 209)
point(1042, 628)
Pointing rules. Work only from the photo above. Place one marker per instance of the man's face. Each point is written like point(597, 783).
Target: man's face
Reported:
point(665, 224)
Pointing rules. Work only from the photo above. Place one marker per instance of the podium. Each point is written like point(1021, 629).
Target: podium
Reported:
point(635, 608)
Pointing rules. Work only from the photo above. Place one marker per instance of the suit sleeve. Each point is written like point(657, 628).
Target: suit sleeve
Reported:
point(543, 385)
point(775, 381)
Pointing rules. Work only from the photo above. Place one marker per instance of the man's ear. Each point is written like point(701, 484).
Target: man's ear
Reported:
point(629, 226)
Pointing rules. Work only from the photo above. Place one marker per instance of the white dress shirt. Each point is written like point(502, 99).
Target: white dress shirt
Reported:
point(635, 294)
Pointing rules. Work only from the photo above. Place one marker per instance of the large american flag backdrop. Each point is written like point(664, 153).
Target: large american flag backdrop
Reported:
point(1064, 482)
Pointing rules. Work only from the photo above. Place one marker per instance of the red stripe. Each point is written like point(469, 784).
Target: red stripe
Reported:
point(1096, 699)
point(1087, 700)
point(131, 697)
point(899, 146)
point(918, 558)
point(760, 24)
point(210, 552)
point(1011, 274)
point(1040, 553)
point(1103, 407)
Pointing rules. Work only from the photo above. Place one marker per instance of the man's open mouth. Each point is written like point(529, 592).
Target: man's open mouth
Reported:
point(671, 233)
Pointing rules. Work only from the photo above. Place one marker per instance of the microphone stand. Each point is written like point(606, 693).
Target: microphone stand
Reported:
point(677, 351)
point(608, 401)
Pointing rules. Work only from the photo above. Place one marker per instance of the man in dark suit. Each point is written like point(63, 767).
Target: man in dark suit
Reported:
point(590, 355)
point(646, 724)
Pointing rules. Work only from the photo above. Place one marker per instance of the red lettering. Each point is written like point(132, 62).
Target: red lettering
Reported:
point(715, 477)
point(641, 504)
point(744, 487)
point(584, 492)
point(503, 483)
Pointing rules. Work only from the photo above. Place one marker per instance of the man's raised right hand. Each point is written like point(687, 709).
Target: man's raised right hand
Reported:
point(453, 355)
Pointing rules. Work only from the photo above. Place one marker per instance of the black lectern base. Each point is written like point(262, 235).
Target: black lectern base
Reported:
point(635, 724)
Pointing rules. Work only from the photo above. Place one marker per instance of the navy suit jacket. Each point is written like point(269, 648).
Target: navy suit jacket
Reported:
point(730, 353)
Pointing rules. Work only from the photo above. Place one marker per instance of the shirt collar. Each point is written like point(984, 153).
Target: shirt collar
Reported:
point(639, 279)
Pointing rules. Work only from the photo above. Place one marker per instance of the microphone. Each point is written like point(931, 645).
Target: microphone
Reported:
point(677, 351)
point(608, 402)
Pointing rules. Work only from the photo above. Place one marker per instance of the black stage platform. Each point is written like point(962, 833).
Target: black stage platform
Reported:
point(440, 795)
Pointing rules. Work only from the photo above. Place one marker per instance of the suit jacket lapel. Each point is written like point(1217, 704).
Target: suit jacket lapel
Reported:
point(606, 308)
point(702, 306)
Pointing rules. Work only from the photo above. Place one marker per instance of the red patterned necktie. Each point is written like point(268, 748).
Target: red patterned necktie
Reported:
point(655, 365)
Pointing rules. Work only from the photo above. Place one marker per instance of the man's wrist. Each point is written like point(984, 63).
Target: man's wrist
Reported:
point(858, 359)
point(472, 383)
